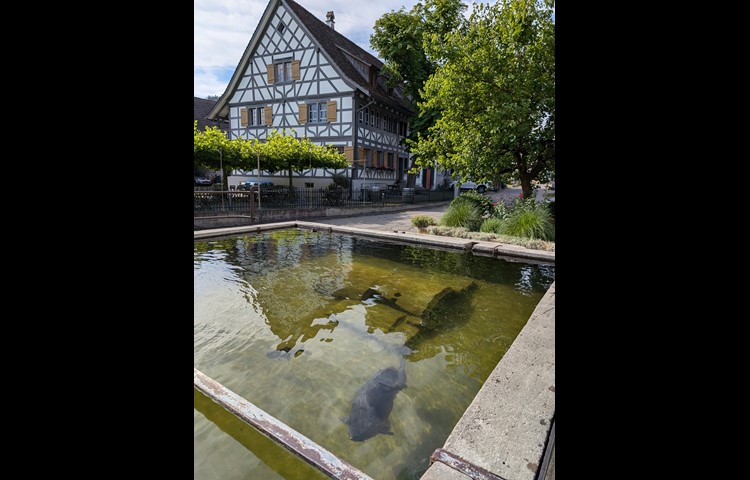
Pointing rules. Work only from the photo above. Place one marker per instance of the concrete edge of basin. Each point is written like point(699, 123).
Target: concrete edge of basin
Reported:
point(478, 247)
point(506, 426)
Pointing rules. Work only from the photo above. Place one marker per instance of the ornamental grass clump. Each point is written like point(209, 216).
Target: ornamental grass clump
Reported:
point(528, 219)
point(462, 213)
point(491, 225)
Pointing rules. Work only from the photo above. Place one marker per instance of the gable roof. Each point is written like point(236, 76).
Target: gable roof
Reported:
point(201, 108)
point(345, 55)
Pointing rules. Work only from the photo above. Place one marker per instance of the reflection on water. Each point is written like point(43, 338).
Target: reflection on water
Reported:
point(297, 321)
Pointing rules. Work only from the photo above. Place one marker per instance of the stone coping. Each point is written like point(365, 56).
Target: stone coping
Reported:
point(505, 428)
point(494, 249)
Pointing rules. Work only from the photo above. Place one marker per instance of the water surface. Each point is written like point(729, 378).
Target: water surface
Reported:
point(297, 321)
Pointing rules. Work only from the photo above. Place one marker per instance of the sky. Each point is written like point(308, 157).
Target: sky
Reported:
point(223, 28)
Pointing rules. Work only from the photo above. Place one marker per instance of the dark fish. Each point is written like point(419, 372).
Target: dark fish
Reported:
point(372, 404)
point(447, 310)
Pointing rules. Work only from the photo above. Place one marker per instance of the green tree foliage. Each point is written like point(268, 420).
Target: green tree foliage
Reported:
point(400, 39)
point(278, 152)
point(212, 149)
point(286, 152)
point(495, 90)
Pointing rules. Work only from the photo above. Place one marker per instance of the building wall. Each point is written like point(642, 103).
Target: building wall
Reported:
point(285, 40)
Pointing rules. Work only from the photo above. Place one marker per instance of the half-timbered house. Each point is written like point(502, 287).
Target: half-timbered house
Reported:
point(298, 75)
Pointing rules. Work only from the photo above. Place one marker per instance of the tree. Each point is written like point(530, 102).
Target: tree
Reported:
point(214, 150)
point(400, 38)
point(286, 152)
point(495, 90)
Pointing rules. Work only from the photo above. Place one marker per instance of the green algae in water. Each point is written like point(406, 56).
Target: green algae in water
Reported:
point(296, 321)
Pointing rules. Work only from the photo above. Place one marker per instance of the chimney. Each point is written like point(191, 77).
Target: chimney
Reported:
point(329, 19)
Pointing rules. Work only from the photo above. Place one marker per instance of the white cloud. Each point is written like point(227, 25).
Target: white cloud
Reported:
point(223, 28)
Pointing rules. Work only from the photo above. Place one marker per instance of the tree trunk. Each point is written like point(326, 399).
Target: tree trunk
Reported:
point(526, 184)
point(290, 178)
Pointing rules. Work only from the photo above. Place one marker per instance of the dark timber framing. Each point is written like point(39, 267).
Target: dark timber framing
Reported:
point(326, 67)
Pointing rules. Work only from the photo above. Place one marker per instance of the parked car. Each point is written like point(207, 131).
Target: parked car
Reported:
point(480, 187)
point(202, 181)
point(246, 185)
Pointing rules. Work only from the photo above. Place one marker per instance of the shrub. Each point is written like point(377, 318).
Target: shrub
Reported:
point(422, 221)
point(462, 214)
point(500, 210)
point(340, 180)
point(482, 202)
point(529, 219)
point(491, 225)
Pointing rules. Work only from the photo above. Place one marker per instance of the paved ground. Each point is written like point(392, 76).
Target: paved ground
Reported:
point(401, 221)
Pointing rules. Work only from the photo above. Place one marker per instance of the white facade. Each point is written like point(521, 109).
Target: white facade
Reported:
point(290, 84)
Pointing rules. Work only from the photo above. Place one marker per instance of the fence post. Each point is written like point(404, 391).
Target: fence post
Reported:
point(251, 198)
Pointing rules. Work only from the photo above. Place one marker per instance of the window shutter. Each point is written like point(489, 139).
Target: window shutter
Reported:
point(268, 111)
point(270, 73)
point(349, 152)
point(243, 117)
point(295, 70)
point(331, 111)
point(302, 113)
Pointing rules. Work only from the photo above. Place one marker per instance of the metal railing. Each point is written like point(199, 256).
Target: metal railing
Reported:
point(277, 197)
point(217, 201)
